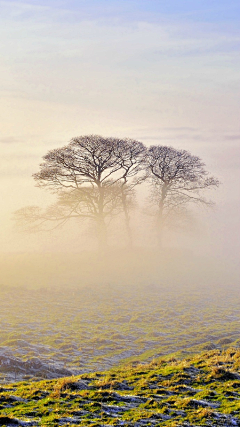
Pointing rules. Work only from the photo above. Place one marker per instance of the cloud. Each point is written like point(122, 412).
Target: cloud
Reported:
point(92, 63)
point(9, 140)
point(138, 9)
point(232, 137)
point(174, 137)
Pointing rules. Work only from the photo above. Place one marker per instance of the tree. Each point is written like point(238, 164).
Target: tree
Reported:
point(90, 177)
point(131, 156)
point(177, 179)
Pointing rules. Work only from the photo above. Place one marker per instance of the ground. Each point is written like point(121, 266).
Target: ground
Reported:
point(202, 390)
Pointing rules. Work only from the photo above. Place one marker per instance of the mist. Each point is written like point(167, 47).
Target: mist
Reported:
point(160, 279)
point(201, 253)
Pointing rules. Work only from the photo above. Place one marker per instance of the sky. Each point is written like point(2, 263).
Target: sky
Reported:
point(162, 72)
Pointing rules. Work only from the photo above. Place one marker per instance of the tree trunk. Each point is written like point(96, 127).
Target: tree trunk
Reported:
point(101, 225)
point(160, 216)
point(102, 234)
point(127, 220)
point(159, 230)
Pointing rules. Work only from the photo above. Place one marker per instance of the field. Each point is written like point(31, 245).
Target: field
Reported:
point(197, 391)
point(56, 332)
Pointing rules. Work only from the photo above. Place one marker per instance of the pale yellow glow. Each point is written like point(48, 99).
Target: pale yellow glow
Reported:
point(154, 82)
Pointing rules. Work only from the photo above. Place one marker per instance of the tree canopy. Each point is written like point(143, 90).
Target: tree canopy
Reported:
point(95, 179)
point(177, 179)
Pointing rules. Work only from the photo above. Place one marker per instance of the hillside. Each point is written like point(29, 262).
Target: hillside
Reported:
point(200, 390)
point(48, 333)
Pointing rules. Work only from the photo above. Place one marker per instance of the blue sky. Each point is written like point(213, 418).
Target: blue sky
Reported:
point(196, 10)
point(79, 52)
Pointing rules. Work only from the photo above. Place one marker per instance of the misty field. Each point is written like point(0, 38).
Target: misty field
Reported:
point(47, 333)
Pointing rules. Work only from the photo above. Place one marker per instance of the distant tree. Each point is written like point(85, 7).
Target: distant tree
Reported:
point(90, 177)
point(131, 156)
point(177, 179)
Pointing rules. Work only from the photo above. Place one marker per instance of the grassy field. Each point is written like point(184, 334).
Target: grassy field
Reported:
point(49, 333)
point(203, 390)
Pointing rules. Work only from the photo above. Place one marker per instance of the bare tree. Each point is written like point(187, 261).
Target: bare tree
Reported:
point(131, 156)
point(88, 177)
point(177, 179)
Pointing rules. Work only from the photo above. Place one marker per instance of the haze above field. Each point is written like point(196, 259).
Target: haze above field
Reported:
point(159, 72)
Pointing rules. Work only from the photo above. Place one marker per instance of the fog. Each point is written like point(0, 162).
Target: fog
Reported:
point(205, 251)
point(161, 75)
point(173, 267)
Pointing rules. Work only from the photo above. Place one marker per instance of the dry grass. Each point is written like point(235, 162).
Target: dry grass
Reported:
point(62, 385)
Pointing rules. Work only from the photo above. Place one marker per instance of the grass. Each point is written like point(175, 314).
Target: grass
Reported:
point(201, 390)
point(81, 331)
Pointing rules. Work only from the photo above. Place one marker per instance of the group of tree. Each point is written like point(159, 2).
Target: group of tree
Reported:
point(95, 179)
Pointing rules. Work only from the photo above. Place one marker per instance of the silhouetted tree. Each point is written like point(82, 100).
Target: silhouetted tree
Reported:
point(90, 177)
point(131, 156)
point(177, 179)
